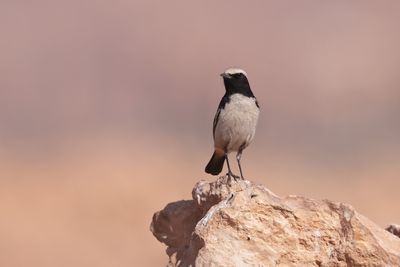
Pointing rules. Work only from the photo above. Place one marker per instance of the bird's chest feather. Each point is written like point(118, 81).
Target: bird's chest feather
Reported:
point(236, 123)
point(240, 110)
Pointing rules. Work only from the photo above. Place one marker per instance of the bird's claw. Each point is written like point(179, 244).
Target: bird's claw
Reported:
point(235, 177)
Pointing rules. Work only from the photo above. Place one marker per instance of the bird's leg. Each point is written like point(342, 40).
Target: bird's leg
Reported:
point(230, 173)
point(229, 166)
point(238, 156)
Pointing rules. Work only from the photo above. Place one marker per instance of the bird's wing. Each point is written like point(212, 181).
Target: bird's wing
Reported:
point(216, 121)
point(222, 103)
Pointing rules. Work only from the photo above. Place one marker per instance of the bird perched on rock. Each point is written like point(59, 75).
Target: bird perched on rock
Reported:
point(235, 121)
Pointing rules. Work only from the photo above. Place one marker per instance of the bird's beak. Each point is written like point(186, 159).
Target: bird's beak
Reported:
point(225, 75)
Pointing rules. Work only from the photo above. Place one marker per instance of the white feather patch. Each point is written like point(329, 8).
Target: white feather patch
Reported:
point(232, 71)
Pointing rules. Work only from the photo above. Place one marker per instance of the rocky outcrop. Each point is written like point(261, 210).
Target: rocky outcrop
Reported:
point(231, 223)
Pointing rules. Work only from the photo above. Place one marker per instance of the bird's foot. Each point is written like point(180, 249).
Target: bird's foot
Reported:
point(235, 177)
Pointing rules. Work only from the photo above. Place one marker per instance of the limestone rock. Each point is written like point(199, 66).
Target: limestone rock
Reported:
point(239, 223)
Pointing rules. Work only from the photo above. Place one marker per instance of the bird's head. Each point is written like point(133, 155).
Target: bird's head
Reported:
point(235, 81)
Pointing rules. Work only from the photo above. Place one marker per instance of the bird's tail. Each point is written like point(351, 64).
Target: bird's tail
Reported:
point(216, 162)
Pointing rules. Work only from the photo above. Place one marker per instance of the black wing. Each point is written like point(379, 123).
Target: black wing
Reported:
point(216, 121)
point(222, 103)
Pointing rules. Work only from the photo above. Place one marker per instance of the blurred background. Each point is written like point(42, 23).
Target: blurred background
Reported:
point(106, 111)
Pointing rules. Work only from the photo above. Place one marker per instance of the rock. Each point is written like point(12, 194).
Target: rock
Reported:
point(239, 223)
point(394, 229)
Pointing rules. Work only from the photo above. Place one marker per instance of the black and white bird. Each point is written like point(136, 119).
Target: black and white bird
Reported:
point(235, 121)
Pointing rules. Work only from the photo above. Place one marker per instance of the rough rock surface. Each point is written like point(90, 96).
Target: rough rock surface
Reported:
point(232, 223)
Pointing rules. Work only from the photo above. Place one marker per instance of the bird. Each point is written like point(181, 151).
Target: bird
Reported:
point(235, 122)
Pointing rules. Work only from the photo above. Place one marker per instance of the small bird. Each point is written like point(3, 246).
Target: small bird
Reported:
point(235, 121)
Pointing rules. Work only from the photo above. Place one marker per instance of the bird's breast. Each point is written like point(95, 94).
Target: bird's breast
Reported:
point(237, 123)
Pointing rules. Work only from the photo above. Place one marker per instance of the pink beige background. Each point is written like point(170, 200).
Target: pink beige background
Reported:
point(106, 112)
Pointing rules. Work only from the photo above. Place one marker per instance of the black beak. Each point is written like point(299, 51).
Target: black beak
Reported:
point(226, 75)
